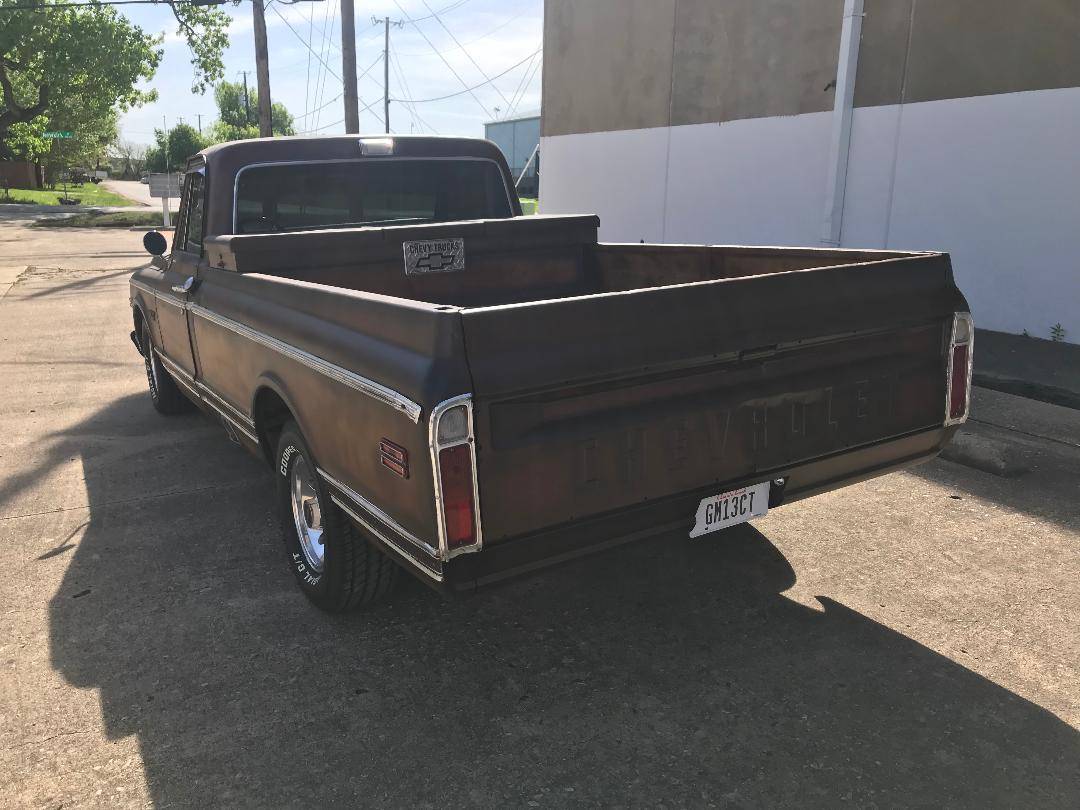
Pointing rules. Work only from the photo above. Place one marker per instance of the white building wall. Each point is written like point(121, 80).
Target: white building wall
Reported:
point(994, 180)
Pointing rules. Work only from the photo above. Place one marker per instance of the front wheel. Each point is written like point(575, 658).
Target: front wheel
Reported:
point(164, 392)
point(336, 566)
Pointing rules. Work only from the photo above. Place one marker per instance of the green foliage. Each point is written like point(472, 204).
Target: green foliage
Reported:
point(74, 68)
point(170, 156)
point(238, 120)
point(206, 30)
point(69, 66)
point(86, 194)
point(1057, 332)
point(99, 219)
point(184, 141)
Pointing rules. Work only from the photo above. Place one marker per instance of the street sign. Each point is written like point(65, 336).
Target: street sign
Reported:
point(164, 185)
point(58, 135)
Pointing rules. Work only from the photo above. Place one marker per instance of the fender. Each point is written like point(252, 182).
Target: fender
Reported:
point(270, 381)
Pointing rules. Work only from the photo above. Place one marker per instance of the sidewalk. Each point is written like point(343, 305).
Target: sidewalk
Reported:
point(1028, 367)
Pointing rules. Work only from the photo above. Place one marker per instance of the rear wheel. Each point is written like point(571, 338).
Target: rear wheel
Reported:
point(336, 565)
point(165, 394)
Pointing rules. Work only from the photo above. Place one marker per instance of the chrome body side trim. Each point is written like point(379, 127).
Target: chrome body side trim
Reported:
point(379, 514)
point(445, 552)
point(175, 370)
point(172, 300)
point(140, 285)
point(387, 541)
point(380, 159)
point(223, 404)
point(201, 392)
point(347, 378)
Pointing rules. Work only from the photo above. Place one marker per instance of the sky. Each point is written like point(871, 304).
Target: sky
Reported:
point(492, 36)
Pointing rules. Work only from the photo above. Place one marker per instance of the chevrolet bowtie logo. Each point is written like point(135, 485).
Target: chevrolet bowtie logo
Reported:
point(434, 256)
point(435, 261)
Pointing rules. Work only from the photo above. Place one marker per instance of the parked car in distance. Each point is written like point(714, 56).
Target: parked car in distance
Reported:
point(439, 383)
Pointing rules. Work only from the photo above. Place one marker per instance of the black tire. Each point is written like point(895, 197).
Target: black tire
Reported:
point(354, 571)
point(167, 397)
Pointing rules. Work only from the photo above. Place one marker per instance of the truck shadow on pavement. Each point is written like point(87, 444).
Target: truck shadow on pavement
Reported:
point(665, 673)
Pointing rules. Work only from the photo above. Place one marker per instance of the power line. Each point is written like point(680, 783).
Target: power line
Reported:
point(518, 89)
point(449, 67)
point(404, 82)
point(452, 7)
point(328, 38)
point(494, 30)
point(468, 89)
point(531, 73)
point(50, 7)
point(438, 19)
point(339, 95)
point(341, 121)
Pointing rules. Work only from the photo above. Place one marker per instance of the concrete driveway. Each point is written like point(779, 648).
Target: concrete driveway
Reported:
point(910, 641)
point(138, 192)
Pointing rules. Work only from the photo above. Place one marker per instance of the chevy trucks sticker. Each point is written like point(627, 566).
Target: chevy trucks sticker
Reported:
point(434, 256)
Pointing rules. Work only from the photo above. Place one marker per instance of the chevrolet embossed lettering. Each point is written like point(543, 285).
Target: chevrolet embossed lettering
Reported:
point(434, 256)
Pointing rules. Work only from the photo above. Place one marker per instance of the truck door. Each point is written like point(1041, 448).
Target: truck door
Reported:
point(180, 273)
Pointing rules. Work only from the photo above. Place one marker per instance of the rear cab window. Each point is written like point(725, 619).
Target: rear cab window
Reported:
point(383, 191)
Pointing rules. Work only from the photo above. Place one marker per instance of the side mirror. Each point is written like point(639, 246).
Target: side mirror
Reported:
point(155, 243)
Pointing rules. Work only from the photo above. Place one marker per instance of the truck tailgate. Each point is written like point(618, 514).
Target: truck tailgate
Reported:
point(592, 404)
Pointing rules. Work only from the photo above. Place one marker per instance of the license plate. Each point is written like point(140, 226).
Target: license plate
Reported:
point(730, 509)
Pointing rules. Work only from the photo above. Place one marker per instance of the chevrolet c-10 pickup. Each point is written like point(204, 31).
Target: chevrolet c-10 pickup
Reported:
point(440, 384)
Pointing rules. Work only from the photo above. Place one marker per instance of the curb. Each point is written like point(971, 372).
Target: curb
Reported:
point(1028, 389)
point(984, 454)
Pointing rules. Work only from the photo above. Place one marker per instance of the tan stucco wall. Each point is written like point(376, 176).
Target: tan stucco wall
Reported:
point(608, 63)
point(962, 48)
point(634, 64)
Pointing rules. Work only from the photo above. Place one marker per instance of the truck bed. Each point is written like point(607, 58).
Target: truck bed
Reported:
point(518, 260)
point(615, 385)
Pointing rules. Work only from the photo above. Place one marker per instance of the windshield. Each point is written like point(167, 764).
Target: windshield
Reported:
point(294, 197)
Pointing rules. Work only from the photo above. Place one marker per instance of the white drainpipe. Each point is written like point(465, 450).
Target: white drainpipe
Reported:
point(840, 141)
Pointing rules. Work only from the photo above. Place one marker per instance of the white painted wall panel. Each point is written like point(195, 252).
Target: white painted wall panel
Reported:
point(618, 175)
point(759, 181)
point(869, 181)
point(994, 180)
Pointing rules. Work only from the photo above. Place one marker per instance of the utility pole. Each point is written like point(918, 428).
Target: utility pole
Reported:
point(199, 116)
point(386, 74)
point(262, 69)
point(247, 103)
point(386, 65)
point(348, 68)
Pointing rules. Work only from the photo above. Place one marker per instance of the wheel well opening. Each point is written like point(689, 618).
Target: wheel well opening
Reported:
point(270, 414)
point(138, 322)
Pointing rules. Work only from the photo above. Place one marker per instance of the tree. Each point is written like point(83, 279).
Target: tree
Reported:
point(184, 141)
point(62, 58)
point(170, 154)
point(238, 120)
point(128, 158)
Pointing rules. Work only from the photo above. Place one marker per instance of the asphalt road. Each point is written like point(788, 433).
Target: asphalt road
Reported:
point(910, 641)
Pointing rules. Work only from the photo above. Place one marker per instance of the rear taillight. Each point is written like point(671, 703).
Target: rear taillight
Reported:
point(958, 392)
point(453, 456)
point(459, 510)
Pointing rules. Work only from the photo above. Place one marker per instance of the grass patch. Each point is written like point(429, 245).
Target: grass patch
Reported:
point(86, 194)
point(528, 205)
point(98, 219)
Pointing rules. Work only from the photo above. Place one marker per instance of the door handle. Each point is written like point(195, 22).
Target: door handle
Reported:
point(186, 287)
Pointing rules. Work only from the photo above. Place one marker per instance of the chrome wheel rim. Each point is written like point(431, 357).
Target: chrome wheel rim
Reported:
point(307, 514)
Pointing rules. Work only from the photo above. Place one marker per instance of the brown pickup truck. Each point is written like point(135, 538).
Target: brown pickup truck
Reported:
point(439, 382)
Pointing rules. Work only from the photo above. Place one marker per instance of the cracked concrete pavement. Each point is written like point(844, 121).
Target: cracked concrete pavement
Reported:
point(909, 641)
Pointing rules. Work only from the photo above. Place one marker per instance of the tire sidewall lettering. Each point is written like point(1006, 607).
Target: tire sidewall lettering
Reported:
point(286, 456)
